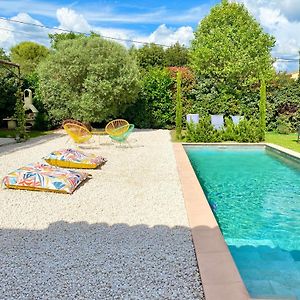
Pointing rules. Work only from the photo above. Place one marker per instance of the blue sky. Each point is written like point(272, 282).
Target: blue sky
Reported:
point(162, 21)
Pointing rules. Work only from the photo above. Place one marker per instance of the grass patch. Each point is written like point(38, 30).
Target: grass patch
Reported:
point(5, 133)
point(173, 136)
point(285, 140)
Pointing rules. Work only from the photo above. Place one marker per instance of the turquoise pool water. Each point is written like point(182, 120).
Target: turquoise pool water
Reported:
point(255, 196)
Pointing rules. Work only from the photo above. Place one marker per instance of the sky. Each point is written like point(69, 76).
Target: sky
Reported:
point(161, 21)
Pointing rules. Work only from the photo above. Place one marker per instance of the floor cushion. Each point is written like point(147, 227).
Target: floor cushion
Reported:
point(70, 158)
point(42, 177)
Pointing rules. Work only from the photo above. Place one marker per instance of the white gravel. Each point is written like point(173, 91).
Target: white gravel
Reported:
point(122, 235)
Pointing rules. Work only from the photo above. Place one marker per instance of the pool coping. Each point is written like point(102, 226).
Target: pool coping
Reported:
point(220, 277)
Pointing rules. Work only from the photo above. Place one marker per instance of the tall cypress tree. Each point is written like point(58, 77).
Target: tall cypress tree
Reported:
point(178, 107)
point(262, 107)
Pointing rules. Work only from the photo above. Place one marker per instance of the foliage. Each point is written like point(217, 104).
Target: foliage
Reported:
point(89, 79)
point(229, 54)
point(283, 125)
point(3, 55)
point(21, 133)
point(155, 107)
point(8, 89)
point(56, 38)
point(202, 132)
point(176, 56)
point(283, 106)
point(188, 82)
point(246, 131)
point(262, 107)
point(150, 55)
point(28, 55)
point(178, 107)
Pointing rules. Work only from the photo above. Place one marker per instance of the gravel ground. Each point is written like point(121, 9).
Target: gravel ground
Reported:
point(122, 235)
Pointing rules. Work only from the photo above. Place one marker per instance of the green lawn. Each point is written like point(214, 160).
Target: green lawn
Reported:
point(285, 140)
point(5, 133)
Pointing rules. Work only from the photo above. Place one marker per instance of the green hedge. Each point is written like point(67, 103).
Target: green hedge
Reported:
point(247, 131)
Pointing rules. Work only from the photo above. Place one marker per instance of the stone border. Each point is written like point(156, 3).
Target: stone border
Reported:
point(287, 152)
point(219, 275)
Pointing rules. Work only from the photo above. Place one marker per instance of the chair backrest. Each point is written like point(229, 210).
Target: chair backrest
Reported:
point(72, 121)
point(236, 119)
point(217, 121)
point(78, 133)
point(117, 127)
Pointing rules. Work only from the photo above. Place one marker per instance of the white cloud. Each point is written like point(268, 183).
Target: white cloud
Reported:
point(280, 66)
point(71, 20)
point(281, 18)
point(13, 33)
point(168, 36)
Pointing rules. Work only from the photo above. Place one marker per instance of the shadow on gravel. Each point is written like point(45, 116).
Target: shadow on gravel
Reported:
point(98, 261)
point(28, 144)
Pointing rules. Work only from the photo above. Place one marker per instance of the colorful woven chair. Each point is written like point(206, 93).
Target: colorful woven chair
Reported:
point(117, 127)
point(78, 133)
point(122, 138)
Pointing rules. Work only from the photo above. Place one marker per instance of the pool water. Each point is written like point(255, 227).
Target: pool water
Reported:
point(255, 195)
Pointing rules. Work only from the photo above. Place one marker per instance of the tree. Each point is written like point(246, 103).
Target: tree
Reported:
point(176, 56)
point(56, 38)
point(3, 55)
point(8, 88)
point(148, 56)
point(89, 78)
point(28, 55)
point(262, 107)
point(231, 49)
point(178, 107)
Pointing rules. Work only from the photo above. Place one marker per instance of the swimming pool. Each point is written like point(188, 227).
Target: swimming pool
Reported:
point(255, 195)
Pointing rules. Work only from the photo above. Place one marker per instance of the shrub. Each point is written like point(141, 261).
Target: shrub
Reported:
point(88, 78)
point(283, 125)
point(283, 103)
point(155, 107)
point(203, 132)
point(246, 131)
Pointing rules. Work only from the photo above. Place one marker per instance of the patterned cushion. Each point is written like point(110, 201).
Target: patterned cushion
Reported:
point(42, 177)
point(70, 158)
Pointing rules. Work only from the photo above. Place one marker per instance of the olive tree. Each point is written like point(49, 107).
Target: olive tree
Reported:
point(88, 78)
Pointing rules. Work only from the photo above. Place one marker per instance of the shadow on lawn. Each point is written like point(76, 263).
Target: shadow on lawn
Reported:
point(98, 261)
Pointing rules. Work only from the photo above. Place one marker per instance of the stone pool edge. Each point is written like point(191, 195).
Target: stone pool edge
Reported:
point(220, 277)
